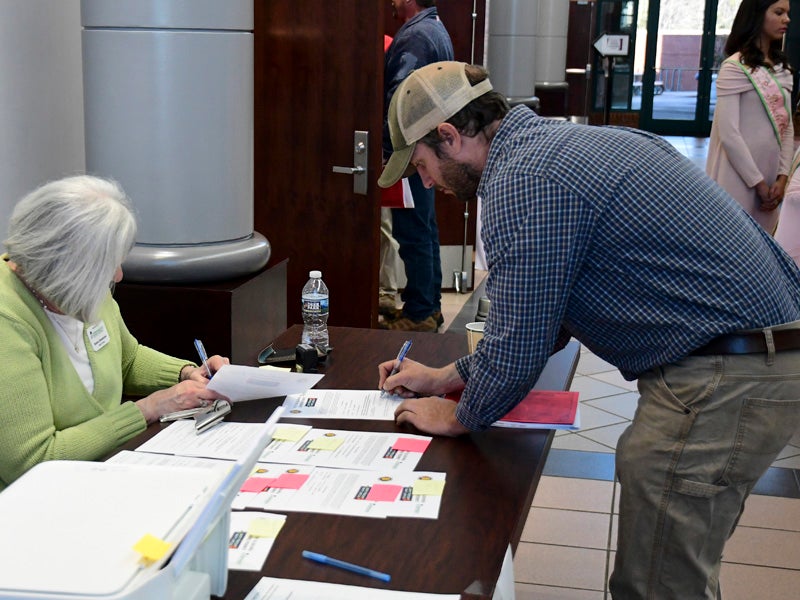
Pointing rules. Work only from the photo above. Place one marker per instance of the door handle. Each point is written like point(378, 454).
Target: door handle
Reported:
point(348, 170)
point(360, 156)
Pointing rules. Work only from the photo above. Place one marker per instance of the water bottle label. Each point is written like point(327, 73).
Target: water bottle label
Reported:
point(316, 306)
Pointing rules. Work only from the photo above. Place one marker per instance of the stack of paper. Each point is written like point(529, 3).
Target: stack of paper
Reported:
point(300, 488)
point(538, 410)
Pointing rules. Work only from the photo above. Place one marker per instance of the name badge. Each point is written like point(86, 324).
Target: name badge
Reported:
point(98, 335)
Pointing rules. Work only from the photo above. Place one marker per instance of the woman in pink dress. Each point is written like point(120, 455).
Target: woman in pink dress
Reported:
point(788, 232)
point(751, 144)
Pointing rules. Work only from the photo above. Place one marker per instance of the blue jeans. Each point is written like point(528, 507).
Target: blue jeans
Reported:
point(416, 231)
point(705, 430)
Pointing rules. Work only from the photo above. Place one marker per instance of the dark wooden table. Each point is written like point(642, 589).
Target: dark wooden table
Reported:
point(491, 479)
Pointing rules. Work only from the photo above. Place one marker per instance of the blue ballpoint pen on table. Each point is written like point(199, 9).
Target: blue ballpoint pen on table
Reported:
point(327, 560)
point(400, 356)
point(201, 350)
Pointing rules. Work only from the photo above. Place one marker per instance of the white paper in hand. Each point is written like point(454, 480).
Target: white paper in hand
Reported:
point(237, 382)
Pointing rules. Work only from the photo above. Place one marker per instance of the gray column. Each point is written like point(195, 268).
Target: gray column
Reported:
point(527, 46)
point(511, 47)
point(551, 43)
point(168, 102)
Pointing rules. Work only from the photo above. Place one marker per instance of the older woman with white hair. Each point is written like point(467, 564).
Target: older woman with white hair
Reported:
point(67, 357)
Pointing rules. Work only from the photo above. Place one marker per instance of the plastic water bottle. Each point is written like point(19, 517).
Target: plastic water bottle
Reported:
point(315, 312)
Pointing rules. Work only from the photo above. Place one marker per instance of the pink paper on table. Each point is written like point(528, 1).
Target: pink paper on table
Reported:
point(380, 492)
point(411, 444)
point(290, 481)
point(256, 484)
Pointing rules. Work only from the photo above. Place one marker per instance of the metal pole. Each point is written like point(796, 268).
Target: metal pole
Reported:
point(460, 278)
point(608, 66)
point(474, 19)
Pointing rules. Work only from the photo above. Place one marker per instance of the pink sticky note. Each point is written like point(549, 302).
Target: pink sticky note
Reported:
point(290, 481)
point(256, 484)
point(381, 492)
point(411, 444)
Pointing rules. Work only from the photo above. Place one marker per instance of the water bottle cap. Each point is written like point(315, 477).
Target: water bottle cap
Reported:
point(315, 274)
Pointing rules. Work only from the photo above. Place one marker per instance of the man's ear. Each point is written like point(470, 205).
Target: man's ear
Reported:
point(450, 136)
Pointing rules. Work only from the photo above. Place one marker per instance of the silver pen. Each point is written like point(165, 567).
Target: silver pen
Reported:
point(201, 350)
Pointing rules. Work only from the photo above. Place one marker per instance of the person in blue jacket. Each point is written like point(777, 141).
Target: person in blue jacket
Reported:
point(421, 40)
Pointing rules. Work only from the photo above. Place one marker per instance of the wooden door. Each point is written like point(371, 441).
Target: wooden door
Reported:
point(319, 78)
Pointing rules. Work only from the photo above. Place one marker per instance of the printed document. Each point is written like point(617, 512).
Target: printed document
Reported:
point(341, 404)
point(272, 588)
point(238, 382)
point(229, 441)
point(251, 537)
point(376, 494)
point(362, 450)
point(167, 460)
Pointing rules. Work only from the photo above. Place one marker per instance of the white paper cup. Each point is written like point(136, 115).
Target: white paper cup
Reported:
point(474, 334)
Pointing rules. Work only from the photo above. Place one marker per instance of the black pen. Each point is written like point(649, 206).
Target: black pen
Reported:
point(201, 350)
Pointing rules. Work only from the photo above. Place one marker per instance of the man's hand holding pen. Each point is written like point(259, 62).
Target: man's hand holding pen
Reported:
point(395, 365)
point(422, 387)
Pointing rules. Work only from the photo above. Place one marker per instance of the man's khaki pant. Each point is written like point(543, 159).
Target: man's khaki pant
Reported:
point(706, 428)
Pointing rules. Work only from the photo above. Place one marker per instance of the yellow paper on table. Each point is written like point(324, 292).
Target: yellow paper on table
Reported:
point(289, 433)
point(428, 487)
point(326, 443)
point(265, 528)
point(152, 548)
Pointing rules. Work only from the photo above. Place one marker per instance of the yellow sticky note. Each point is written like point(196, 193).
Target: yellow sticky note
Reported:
point(266, 528)
point(428, 487)
point(288, 433)
point(326, 443)
point(152, 548)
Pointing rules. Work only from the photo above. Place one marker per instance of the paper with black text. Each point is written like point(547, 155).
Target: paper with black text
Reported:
point(238, 382)
point(129, 457)
point(341, 404)
point(301, 488)
point(340, 449)
point(252, 535)
point(272, 588)
point(229, 441)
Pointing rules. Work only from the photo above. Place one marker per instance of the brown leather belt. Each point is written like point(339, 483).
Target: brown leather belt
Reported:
point(750, 343)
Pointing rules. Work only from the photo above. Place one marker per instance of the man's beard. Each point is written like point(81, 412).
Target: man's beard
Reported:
point(460, 178)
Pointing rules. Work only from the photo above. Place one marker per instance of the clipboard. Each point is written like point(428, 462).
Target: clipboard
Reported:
point(216, 412)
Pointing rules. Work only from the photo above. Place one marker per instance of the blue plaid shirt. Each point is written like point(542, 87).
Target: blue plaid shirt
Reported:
point(609, 235)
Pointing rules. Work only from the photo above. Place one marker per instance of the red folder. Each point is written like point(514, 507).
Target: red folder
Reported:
point(558, 408)
point(397, 196)
point(540, 409)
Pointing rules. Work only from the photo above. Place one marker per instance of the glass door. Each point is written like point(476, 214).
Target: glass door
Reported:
point(683, 52)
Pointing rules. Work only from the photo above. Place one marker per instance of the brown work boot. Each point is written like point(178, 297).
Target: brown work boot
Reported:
point(390, 314)
point(408, 324)
point(387, 302)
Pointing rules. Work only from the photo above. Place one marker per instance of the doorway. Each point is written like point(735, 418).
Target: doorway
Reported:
point(674, 79)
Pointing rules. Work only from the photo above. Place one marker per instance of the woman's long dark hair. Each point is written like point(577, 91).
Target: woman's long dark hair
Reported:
point(746, 32)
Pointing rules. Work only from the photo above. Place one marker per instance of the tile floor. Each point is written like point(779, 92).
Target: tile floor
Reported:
point(567, 546)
